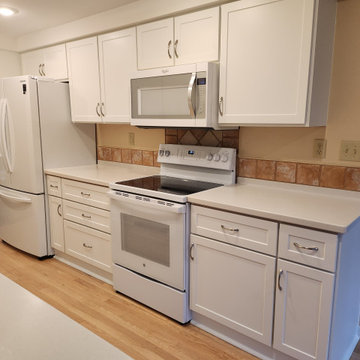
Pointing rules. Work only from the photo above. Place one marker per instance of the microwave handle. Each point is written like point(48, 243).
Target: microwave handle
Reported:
point(190, 94)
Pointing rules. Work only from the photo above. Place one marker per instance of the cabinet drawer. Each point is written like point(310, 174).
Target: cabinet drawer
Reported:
point(244, 231)
point(89, 245)
point(87, 215)
point(53, 185)
point(309, 247)
point(88, 194)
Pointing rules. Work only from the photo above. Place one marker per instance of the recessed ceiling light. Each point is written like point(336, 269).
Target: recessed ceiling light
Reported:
point(5, 11)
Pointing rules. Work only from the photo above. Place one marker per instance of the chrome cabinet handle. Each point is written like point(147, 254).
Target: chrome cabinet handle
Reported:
point(221, 106)
point(85, 194)
point(97, 109)
point(102, 109)
point(229, 229)
point(58, 210)
point(43, 69)
point(87, 246)
point(279, 278)
point(169, 45)
point(190, 94)
point(191, 248)
point(40, 69)
point(86, 216)
point(54, 186)
point(301, 247)
point(175, 48)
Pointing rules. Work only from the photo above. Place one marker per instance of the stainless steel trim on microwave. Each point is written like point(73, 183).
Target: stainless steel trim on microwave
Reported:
point(190, 94)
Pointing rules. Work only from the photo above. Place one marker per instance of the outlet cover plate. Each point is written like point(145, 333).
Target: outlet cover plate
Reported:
point(350, 150)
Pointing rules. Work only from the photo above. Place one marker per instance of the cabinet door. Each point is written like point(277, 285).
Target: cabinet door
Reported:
point(31, 62)
point(83, 67)
point(55, 62)
point(117, 55)
point(56, 223)
point(197, 37)
point(303, 311)
point(265, 61)
point(233, 286)
point(155, 44)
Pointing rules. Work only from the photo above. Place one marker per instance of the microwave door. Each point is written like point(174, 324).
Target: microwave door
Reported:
point(160, 98)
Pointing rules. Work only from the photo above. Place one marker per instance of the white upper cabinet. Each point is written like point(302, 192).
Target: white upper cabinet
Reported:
point(83, 65)
point(117, 58)
point(270, 73)
point(184, 39)
point(49, 62)
point(99, 77)
point(155, 44)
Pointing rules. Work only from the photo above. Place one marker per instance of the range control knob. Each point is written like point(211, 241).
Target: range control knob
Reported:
point(167, 153)
point(225, 158)
point(209, 157)
point(216, 157)
point(161, 152)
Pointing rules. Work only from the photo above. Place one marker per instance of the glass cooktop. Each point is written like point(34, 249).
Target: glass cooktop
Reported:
point(168, 184)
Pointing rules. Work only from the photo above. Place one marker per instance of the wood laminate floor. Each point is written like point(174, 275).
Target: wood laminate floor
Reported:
point(135, 329)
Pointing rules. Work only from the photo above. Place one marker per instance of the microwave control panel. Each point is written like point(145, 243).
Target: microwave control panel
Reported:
point(201, 94)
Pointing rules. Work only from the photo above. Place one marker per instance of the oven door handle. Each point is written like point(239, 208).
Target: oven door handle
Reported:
point(174, 208)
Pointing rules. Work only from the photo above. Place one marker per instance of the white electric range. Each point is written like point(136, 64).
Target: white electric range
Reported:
point(150, 225)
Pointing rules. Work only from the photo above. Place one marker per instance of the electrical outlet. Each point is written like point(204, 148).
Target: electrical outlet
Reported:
point(131, 138)
point(319, 148)
point(350, 150)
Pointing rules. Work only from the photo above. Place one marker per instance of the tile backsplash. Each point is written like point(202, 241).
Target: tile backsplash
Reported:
point(337, 177)
point(330, 176)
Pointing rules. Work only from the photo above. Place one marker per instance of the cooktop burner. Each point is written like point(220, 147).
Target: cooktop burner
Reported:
point(168, 184)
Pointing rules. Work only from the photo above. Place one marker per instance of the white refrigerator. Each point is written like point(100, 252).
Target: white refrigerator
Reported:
point(36, 133)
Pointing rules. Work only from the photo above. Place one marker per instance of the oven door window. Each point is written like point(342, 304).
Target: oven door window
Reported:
point(145, 238)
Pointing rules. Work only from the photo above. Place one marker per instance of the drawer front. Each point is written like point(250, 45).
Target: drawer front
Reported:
point(251, 233)
point(308, 247)
point(89, 245)
point(87, 215)
point(88, 194)
point(53, 185)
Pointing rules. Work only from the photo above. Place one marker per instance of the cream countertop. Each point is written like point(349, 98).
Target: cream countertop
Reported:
point(31, 329)
point(325, 209)
point(104, 173)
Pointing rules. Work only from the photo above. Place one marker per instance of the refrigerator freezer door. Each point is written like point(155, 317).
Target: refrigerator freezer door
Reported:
point(22, 221)
point(20, 136)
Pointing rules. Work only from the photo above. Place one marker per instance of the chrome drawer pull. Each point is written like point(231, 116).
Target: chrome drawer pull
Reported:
point(87, 246)
point(169, 44)
point(86, 216)
point(85, 194)
point(229, 229)
point(298, 246)
point(54, 186)
point(279, 277)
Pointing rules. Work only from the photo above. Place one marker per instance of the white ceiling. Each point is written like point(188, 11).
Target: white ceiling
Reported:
point(37, 15)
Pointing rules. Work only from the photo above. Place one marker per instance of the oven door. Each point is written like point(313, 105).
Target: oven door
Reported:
point(149, 237)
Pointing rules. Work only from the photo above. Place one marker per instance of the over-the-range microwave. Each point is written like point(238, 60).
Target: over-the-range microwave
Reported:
point(178, 96)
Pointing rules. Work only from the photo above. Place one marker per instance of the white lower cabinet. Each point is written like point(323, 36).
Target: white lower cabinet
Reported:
point(56, 223)
point(80, 221)
point(233, 286)
point(303, 311)
point(89, 245)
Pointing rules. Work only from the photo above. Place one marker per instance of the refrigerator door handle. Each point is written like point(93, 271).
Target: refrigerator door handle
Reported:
point(5, 116)
point(21, 199)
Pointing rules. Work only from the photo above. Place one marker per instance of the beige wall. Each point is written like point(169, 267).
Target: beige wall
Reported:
point(344, 110)
point(9, 63)
point(118, 136)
